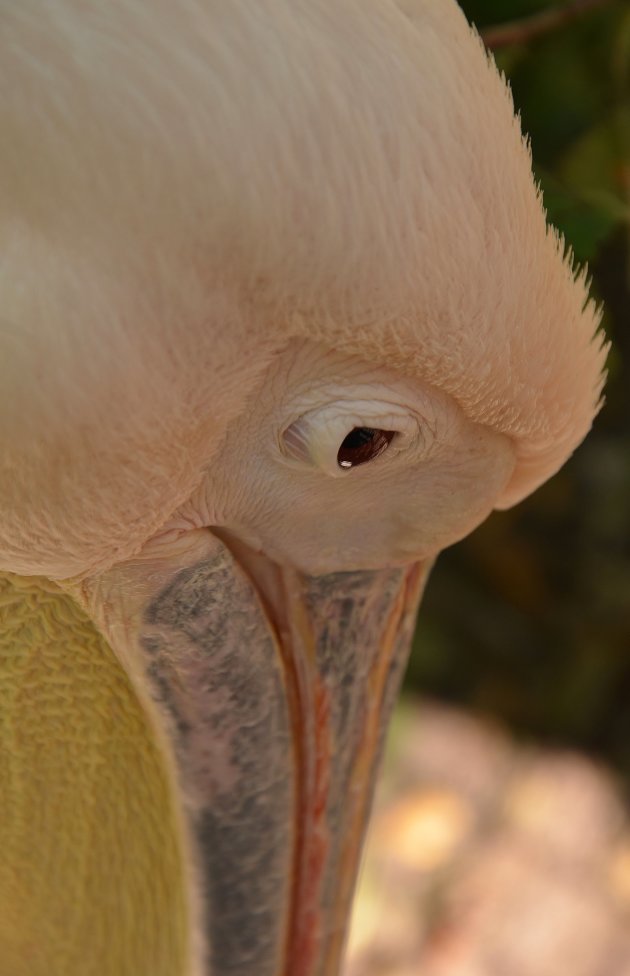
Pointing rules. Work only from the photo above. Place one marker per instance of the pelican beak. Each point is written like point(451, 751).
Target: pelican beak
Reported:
point(275, 691)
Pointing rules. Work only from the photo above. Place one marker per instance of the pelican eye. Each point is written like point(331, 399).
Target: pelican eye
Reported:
point(363, 444)
point(345, 434)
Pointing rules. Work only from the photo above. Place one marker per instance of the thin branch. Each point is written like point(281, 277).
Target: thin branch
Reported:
point(521, 31)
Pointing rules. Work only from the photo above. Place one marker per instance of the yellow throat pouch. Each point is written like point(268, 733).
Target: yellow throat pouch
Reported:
point(91, 867)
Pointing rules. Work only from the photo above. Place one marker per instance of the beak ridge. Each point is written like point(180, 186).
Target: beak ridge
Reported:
point(272, 692)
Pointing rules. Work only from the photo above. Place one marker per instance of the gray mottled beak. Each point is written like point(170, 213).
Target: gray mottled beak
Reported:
point(275, 691)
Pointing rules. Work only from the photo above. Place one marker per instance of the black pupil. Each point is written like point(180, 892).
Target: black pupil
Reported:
point(363, 444)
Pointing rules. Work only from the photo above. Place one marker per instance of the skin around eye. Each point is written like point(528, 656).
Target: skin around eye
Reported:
point(345, 434)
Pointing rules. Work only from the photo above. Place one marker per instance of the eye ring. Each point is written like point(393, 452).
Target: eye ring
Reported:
point(363, 444)
point(346, 434)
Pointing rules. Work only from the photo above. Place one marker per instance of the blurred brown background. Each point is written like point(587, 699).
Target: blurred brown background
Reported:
point(500, 844)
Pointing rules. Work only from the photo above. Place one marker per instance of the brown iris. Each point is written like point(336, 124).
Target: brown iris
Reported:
point(363, 444)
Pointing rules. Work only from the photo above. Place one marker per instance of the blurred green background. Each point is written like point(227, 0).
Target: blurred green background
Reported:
point(529, 618)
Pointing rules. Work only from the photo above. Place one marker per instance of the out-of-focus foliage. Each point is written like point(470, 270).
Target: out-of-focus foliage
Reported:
point(529, 618)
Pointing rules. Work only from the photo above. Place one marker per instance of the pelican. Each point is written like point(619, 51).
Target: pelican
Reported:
point(281, 318)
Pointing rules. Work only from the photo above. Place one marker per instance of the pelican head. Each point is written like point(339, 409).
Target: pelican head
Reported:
point(281, 319)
